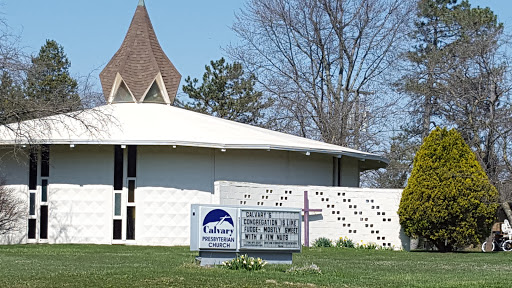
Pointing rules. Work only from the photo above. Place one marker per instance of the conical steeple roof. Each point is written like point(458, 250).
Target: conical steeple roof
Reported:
point(139, 64)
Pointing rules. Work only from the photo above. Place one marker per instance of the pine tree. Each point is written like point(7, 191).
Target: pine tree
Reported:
point(12, 100)
point(457, 78)
point(49, 83)
point(448, 199)
point(226, 93)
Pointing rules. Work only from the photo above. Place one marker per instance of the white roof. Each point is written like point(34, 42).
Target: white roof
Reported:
point(157, 124)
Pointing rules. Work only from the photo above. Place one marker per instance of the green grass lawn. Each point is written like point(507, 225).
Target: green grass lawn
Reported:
point(133, 266)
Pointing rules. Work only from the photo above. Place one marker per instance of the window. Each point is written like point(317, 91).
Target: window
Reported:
point(32, 204)
point(43, 233)
point(45, 161)
point(44, 190)
point(32, 177)
point(130, 223)
point(43, 208)
point(131, 191)
point(123, 94)
point(124, 199)
point(117, 229)
point(118, 168)
point(117, 204)
point(132, 161)
point(154, 94)
point(31, 228)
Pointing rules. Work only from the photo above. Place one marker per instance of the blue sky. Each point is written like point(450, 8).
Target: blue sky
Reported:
point(191, 32)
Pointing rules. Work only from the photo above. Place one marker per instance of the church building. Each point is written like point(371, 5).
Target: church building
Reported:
point(127, 172)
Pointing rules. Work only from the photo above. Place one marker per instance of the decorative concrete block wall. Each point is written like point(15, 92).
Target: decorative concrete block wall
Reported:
point(163, 215)
point(361, 214)
point(74, 218)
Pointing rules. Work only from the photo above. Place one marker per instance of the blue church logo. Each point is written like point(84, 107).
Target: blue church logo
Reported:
point(219, 223)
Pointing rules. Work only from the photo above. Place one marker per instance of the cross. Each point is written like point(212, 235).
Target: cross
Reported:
point(306, 218)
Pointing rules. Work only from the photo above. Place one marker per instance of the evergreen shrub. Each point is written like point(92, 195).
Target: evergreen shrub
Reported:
point(448, 200)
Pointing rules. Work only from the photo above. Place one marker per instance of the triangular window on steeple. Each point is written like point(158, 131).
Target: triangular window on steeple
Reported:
point(123, 94)
point(154, 94)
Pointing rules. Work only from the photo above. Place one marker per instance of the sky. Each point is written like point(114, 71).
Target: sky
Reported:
point(191, 32)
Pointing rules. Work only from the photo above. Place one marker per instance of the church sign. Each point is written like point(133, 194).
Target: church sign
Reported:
point(270, 229)
point(218, 232)
point(218, 229)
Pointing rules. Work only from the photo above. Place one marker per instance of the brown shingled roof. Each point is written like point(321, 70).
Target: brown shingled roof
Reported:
point(139, 60)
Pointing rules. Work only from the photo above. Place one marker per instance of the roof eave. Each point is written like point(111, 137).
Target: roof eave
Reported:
point(371, 161)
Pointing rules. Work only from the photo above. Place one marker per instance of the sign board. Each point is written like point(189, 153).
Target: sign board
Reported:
point(218, 228)
point(269, 229)
point(235, 229)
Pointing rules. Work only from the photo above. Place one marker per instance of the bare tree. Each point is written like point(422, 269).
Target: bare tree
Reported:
point(91, 95)
point(11, 210)
point(12, 57)
point(326, 62)
point(459, 77)
point(24, 121)
point(16, 106)
point(475, 99)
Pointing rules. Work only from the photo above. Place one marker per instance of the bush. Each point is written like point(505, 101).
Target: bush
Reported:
point(448, 199)
point(245, 262)
point(345, 243)
point(322, 242)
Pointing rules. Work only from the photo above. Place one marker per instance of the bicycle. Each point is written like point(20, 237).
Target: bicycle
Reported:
point(502, 239)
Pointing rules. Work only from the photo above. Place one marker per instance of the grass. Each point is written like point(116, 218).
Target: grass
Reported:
point(134, 266)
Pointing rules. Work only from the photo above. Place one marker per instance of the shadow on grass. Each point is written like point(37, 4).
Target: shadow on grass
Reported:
point(451, 252)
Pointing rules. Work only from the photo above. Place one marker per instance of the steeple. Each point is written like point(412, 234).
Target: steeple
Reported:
point(140, 71)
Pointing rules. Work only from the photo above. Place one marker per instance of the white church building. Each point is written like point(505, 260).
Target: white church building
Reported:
point(132, 181)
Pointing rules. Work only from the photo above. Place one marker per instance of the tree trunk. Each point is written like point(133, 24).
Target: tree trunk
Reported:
point(508, 211)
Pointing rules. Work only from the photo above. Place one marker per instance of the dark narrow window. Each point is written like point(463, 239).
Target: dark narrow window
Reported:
point(45, 161)
point(339, 172)
point(117, 204)
point(131, 191)
point(130, 223)
point(32, 204)
point(334, 171)
point(32, 177)
point(31, 228)
point(132, 161)
point(118, 229)
point(118, 168)
point(44, 190)
point(43, 222)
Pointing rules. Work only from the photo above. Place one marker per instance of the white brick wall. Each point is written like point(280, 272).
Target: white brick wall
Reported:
point(361, 214)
